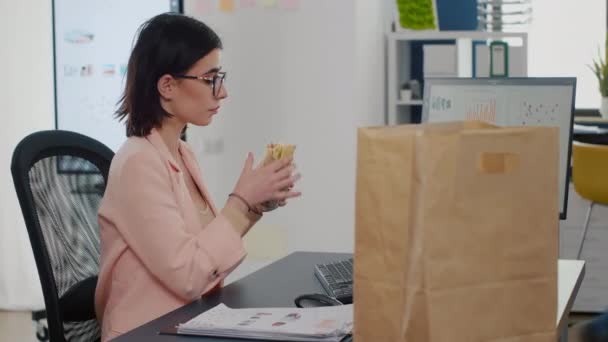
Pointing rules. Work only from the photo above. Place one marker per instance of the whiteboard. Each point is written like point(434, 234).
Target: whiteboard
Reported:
point(92, 43)
point(508, 102)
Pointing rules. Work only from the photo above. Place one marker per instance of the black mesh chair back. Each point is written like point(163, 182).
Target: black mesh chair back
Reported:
point(60, 178)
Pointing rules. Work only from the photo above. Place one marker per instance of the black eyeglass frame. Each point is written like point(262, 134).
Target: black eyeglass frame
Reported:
point(220, 75)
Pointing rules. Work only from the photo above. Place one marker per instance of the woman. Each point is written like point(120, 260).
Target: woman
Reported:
point(163, 242)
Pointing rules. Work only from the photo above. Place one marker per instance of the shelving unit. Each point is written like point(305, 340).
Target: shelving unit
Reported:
point(409, 103)
point(399, 55)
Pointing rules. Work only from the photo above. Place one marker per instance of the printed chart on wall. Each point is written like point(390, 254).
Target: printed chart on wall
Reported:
point(93, 41)
point(507, 105)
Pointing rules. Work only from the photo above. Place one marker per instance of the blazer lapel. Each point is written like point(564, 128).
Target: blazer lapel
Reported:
point(195, 172)
point(156, 140)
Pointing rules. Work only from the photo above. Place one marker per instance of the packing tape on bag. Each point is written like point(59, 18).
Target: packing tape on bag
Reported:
point(498, 163)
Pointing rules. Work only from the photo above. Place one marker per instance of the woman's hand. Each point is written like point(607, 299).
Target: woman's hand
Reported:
point(262, 208)
point(272, 182)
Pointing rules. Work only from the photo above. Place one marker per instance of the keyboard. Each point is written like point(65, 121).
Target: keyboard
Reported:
point(337, 279)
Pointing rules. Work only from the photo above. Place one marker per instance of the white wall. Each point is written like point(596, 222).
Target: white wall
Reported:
point(26, 95)
point(564, 40)
point(309, 77)
point(372, 22)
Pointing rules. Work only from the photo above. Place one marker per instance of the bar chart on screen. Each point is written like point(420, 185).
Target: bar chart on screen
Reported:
point(483, 111)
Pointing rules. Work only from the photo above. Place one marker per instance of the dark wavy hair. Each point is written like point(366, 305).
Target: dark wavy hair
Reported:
point(169, 43)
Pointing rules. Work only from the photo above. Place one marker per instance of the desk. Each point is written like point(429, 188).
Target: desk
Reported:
point(591, 120)
point(569, 278)
point(598, 136)
point(277, 284)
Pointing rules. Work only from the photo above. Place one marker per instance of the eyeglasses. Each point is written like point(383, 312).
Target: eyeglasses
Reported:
point(216, 81)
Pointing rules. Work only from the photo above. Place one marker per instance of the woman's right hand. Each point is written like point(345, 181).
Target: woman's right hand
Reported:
point(273, 181)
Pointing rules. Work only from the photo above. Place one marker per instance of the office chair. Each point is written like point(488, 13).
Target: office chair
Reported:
point(590, 177)
point(60, 178)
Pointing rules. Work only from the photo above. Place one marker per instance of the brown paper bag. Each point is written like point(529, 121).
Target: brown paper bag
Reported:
point(456, 233)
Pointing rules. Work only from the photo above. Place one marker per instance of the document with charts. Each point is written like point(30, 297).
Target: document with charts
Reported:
point(329, 323)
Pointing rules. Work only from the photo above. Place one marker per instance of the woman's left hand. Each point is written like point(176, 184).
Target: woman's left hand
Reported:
point(264, 209)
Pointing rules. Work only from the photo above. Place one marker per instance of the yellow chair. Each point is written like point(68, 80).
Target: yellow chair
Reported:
point(590, 177)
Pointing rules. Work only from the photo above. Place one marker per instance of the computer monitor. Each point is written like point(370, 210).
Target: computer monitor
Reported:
point(508, 102)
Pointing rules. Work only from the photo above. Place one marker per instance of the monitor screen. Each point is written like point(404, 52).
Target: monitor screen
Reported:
point(92, 43)
point(508, 102)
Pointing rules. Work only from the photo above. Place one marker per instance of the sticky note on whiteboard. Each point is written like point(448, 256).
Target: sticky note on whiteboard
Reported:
point(227, 5)
point(269, 3)
point(203, 7)
point(289, 4)
point(248, 3)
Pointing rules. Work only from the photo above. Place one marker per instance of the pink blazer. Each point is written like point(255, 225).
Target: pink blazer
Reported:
point(155, 254)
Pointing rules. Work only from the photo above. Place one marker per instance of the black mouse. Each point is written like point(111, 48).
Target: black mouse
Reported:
point(318, 299)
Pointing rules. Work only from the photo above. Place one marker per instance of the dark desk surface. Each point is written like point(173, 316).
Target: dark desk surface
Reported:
point(275, 285)
point(591, 120)
point(596, 139)
point(599, 138)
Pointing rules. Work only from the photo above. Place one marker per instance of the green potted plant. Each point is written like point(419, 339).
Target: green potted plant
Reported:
point(600, 69)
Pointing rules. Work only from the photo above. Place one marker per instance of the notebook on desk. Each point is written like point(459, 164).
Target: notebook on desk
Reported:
point(330, 324)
